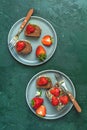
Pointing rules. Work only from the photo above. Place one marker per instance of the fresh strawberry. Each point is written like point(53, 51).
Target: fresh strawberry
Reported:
point(36, 102)
point(42, 81)
point(55, 91)
point(47, 40)
point(41, 111)
point(30, 28)
point(41, 53)
point(54, 101)
point(64, 99)
point(20, 45)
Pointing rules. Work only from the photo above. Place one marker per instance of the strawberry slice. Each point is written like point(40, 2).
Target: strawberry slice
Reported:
point(30, 28)
point(36, 102)
point(20, 45)
point(54, 101)
point(64, 99)
point(41, 111)
point(55, 91)
point(42, 81)
point(47, 40)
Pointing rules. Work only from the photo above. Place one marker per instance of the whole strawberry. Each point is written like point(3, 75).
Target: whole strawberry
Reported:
point(41, 53)
point(36, 102)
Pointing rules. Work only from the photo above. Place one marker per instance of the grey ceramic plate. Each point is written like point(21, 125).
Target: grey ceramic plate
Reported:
point(31, 89)
point(46, 28)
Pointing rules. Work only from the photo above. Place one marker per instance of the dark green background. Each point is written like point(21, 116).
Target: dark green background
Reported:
point(69, 18)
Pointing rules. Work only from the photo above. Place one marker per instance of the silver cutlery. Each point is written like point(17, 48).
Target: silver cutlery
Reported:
point(62, 84)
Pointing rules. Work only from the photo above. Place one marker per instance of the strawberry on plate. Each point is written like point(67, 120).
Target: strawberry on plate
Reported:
point(42, 81)
point(20, 45)
point(47, 40)
point(64, 99)
point(36, 102)
point(55, 91)
point(30, 28)
point(41, 111)
point(41, 53)
point(54, 101)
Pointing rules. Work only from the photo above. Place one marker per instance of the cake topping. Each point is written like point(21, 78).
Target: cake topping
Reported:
point(64, 99)
point(20, 45)
point(54, 101)
point(30, 28)
point(55, 91)
point(42, 81)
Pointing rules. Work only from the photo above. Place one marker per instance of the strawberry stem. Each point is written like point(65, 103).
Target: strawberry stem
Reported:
point(32, 103)
point(52, 39)
point(42, 57)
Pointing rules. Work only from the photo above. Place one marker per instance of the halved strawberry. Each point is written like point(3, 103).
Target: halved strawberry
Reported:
point(47, 40)
point(55, 91)
point(30, 28)
point(36, 102)
point(64, 99)
point(54, 101)
point(41, 53)
point(41, 111)
point(42, 81)
point(20, 45)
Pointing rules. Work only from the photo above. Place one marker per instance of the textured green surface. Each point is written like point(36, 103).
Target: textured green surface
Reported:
point(69, 18)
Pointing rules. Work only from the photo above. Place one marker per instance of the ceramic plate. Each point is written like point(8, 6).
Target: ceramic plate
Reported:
point(46, 28)
point(31, 89)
